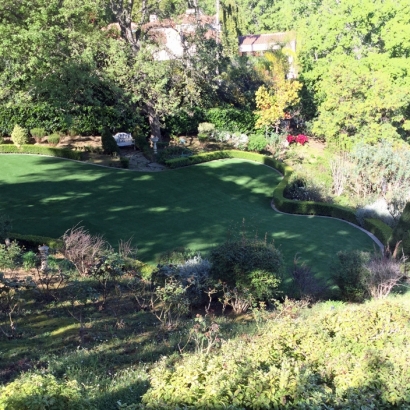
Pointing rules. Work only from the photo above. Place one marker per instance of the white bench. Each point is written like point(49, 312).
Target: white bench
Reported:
point(123, 139)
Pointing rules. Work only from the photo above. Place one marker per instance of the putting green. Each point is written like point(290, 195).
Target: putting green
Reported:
point(194, 207)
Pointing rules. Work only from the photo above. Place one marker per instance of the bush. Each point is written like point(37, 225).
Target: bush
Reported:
point(125, 162)
point(350, 275)
point(184, 123)
point(257, 142)
point(39, 150)
point(173, 152)
point(248, 269)
point(1, 140)
point(19, 136)
point(35, 241)
point(108, 142)
point(54, 139)
point(206, 128)
point(38, 133)
point(232, 119)
point(401, 232)
point(40, 392)
point(349, 358)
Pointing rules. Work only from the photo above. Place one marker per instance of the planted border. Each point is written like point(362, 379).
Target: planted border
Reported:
point(35, 240)
point(376, 227)
point(38, 150)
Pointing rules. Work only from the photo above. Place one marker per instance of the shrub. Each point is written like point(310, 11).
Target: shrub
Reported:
point(39, 150)
point(202, 137)
point(401, 232)
point(248, 269)
point(206, 128)
point(38, 392)
point(1, 140)
point(54, 139)
point(108, 142)
point(19, 135)
point(5, 227)
point(173, 152)
point(184, 123)
point(10, 255)
point(125, 162)
point(352, 357)
point(351, 276)
point(257, 142)
point(38, 133)
point(376, 210)
point(232, 119)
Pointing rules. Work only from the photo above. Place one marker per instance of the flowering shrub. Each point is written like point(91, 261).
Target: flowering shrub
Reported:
point(300, 139)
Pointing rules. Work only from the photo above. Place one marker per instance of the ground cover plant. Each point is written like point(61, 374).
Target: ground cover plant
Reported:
point(193, 207)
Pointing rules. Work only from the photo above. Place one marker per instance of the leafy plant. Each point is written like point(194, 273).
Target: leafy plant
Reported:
point(54, 139)
point(19, 135)
point(257, 142)
point(206, 128)
point(38, 133)
point(108, 142)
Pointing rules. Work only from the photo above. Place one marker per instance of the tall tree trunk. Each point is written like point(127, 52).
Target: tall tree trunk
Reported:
point(154, 123)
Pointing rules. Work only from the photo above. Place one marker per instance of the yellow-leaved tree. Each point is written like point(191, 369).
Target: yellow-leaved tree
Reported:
point(280, 93)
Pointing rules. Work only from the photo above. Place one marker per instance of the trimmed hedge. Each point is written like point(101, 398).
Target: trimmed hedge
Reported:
point(35, 240)
point(39, 150)
point(378, 228)
point(402, 232)
point(232, 119)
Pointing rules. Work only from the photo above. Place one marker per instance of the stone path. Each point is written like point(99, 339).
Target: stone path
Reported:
point(139, 163)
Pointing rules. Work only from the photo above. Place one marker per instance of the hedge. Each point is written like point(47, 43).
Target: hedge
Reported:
point(402, 232)
point(35, 240)
point(231, 119)
point(378, 228)
point(39, 150)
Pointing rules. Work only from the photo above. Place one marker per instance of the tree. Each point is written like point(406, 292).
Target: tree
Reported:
point(282, 93)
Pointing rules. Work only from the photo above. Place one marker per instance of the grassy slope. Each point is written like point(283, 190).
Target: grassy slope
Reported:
point(193, 207)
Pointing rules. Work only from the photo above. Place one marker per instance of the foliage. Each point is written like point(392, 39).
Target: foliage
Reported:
point(257, 142)
point(350, 275)
point(54, 138)
point(345, 358)
point(108, 142)
point(37, 392)
point(5, 227)
point(206, 128)
point(231, 119)
point(173, 152)
point(184, 122)
point(19, 136)
point(248, 269)
point(376, 210)
point(35, 241)
point(82, 249)
point(401, 233)
point(38, 133)
point(39, 150)
point(10, 255)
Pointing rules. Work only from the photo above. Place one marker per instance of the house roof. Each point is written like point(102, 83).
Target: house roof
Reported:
point(262, 39)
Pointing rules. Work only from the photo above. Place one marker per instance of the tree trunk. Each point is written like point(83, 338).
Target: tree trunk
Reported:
point(154, 124)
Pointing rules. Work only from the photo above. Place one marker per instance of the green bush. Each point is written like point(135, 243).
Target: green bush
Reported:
point(379, 229)
point(38, 133)
point(203, 137)
point(232, 119)
point(184, 123)
point(173, 152)
point(10, 256)
point(350, 275)
point(38, 392)
point(351, 357)
point(1, 140)
point(206, 128)
point(108, 142)
point(257, 142)
point(19, 135)
point(39, 150)
point(125, 162)
point(35, 241)
point(54, 139)
point(249, 270)
point(402, 232)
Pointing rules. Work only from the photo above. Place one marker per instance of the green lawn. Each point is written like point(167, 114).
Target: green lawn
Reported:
point(194, 207)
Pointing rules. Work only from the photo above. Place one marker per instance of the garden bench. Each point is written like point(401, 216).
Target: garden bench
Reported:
point(123, 139)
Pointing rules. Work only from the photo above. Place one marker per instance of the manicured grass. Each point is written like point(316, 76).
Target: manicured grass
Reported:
point(193, 207)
